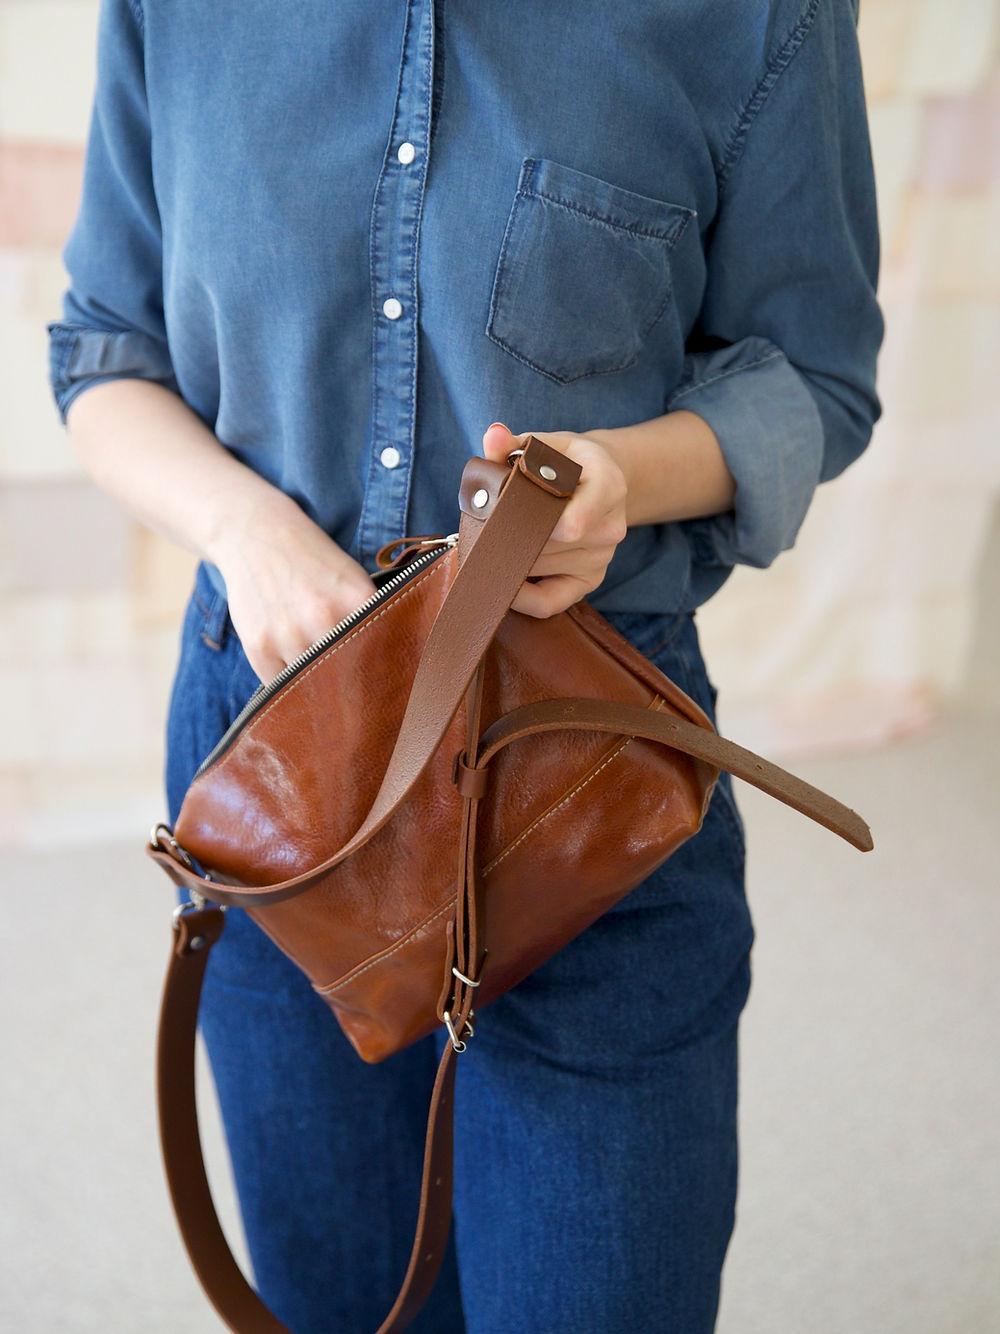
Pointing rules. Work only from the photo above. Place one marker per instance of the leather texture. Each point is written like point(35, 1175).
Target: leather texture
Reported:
point(431, 808)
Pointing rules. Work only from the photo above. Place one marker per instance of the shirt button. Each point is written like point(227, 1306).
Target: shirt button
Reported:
point(406, 153)
point(390, 457)
point(391, 308)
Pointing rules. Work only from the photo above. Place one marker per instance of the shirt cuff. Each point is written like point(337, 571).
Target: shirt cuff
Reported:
point(771, 435)
point(81, 355)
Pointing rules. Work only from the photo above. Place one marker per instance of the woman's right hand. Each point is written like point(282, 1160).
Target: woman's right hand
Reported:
point(288, 581)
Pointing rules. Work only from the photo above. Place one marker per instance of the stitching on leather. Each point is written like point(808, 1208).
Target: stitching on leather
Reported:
point(525, 833)
point(328, 988)
point(296, 681)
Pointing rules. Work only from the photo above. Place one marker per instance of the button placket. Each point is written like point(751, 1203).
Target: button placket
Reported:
point(395, 234)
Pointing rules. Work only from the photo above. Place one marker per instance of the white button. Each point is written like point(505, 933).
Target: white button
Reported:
point(390, 457)
point(391, 308)
point(406, 153)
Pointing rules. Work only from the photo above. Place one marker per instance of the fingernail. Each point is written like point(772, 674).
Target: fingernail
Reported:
point(492, 424)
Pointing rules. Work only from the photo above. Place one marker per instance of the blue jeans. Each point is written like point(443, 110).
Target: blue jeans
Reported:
point(596, 1151)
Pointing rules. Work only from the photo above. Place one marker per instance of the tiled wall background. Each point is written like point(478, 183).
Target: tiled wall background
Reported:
point(854, 637)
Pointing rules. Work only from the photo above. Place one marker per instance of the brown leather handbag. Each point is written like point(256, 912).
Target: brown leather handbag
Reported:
point(422, 808)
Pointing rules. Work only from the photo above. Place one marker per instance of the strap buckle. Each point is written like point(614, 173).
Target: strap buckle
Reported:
point(194, 904)
point(469, 982)
point(467, 1030)
point(155, 843)
point(458, 1040)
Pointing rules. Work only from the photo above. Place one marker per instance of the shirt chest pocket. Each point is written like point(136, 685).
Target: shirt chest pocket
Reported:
point(583, 273)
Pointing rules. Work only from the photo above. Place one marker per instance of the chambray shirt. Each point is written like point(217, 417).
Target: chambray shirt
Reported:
point(352, 234)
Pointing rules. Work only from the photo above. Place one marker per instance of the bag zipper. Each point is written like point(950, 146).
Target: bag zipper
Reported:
point(268, 689)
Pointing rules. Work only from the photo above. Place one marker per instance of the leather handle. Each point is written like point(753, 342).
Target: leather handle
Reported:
point(524, 514)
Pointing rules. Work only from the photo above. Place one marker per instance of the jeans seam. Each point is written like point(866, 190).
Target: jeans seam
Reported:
point(726, 802)
point(672, 633)
point(213, 609)
point(727, 808)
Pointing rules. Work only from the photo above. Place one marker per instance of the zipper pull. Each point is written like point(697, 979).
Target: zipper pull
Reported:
point(408, 547)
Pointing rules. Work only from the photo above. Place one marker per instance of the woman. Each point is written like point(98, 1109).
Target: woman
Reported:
point(317, 251)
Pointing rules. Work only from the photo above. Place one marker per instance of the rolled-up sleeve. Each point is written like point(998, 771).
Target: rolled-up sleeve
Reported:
point(783, 366)
point(112, 324)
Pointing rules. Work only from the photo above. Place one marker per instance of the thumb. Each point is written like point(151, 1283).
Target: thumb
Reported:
point(498, 441)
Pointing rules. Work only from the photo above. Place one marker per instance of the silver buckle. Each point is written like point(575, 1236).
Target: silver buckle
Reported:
point(182, 853)
point(194, 904)
point(462, 978)
point(468, 1030)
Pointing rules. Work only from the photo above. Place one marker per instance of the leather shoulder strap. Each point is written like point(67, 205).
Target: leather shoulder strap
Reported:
point(598, 715)
point(237, 1304)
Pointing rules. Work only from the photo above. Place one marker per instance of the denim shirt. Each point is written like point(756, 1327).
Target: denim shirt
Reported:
point(351, 235)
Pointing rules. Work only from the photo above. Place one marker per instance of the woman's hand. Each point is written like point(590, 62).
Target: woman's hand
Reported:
point(288, 581)
point(575, 558)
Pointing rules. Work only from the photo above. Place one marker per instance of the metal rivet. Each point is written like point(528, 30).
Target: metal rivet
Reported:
point(196, 943)
point(481, 498)
point(548, 473)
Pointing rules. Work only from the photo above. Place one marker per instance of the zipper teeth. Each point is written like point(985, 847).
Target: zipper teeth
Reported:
point(267, 689)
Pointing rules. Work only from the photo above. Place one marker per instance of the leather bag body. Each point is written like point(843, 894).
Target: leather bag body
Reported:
point(426, 807)
point(580, 817)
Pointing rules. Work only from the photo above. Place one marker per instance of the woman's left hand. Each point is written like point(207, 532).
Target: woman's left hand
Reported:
point(575, 558)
